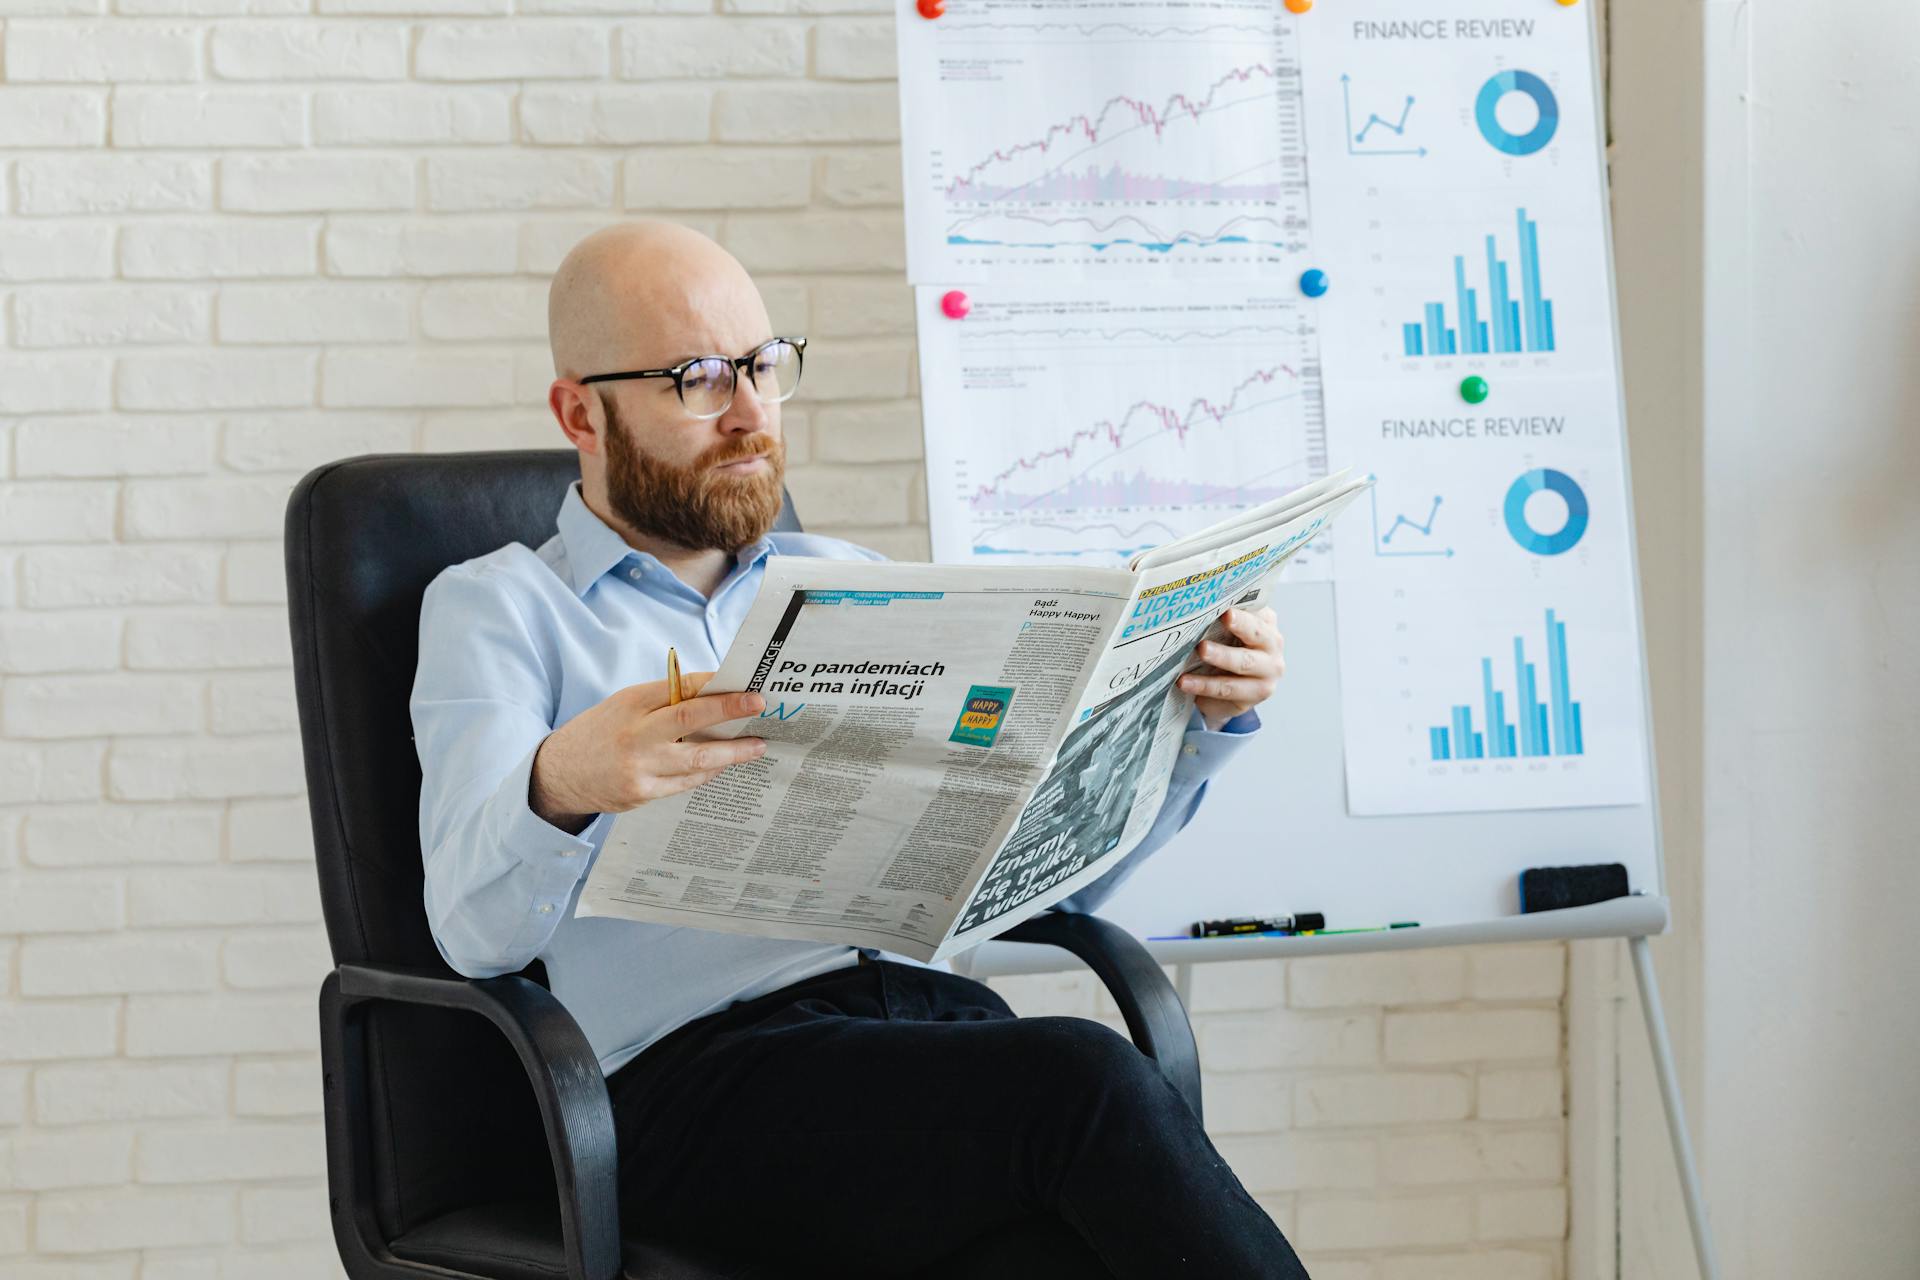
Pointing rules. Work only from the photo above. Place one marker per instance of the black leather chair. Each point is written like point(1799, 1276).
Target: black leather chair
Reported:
point(441, 1160)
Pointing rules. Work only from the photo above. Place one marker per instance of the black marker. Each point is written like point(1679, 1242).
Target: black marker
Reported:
point(1258, 924)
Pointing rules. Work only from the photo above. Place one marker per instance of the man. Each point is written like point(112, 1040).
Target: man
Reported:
point(842, 1110)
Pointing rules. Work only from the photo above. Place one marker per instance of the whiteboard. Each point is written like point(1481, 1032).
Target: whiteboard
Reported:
point(1276, 832)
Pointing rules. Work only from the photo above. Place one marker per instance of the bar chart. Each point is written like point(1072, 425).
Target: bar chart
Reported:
point(1534, 727)
point(1512, 324)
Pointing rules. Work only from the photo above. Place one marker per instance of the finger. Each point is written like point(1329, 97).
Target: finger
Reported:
point(1235, 659)
point(660, 788)
point(647, 697)
point(1215, 710)
point(703, 712)
point(1241, 689)
point(1235, 624)
point(652, 695)
point(678, 758)
point(1271, 621)
point(1250, 628)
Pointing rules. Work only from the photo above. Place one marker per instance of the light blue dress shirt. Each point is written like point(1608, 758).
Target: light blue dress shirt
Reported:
point(517, 642)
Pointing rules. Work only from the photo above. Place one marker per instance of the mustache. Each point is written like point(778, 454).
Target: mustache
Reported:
point(736, 451)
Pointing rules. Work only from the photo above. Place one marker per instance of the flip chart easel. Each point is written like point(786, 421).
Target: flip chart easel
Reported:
point(1279, 832)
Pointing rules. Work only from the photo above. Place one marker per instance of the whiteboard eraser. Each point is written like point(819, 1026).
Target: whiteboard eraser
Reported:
point(1553, 888)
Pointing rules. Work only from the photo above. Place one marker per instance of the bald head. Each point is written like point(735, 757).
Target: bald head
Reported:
point(648, 293)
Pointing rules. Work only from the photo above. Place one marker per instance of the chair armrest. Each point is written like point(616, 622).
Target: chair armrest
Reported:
point(575, 1111)
point(1156, 1020)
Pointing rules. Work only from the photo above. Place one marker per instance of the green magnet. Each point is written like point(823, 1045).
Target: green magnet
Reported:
point(1474, 389)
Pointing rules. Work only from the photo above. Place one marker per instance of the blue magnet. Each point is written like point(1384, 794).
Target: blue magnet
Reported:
point(1313, 283)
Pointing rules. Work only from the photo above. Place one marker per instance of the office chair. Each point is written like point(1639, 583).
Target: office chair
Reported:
point(469, 1130)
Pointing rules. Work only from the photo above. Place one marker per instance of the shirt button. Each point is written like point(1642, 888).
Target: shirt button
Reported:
point(546, 908)
point(1190, 749)
point(633, 573)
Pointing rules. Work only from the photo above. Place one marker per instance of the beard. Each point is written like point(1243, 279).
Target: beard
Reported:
point(693, 506)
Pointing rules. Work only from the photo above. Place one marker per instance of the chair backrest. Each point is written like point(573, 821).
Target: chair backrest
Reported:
point(364, 537)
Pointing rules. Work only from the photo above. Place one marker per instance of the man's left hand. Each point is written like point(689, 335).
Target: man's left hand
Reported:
point(1242, 675)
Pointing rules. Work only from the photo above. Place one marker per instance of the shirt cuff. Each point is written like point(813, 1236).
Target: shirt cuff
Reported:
point(1203, 751)
point(560, 857)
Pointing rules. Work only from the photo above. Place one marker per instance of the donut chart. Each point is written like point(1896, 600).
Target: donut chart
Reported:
point(1562, 539)
point(1485, 112)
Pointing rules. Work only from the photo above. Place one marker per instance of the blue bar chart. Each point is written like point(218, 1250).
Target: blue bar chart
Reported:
point(1532, 727)
point(1518, 314)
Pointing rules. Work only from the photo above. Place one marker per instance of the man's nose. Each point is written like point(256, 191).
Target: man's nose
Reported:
point(748, 412)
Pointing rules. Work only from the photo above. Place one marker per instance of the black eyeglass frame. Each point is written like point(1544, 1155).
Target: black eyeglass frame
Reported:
point(678, 371)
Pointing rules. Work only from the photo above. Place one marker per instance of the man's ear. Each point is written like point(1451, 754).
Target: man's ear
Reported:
point(576, 407)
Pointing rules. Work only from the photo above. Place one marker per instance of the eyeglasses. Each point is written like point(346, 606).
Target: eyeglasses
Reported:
point(705, 384)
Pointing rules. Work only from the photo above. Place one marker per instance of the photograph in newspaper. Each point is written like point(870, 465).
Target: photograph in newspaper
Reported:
point(1079, 813)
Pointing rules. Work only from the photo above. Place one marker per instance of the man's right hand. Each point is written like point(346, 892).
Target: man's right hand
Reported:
point(626, 750)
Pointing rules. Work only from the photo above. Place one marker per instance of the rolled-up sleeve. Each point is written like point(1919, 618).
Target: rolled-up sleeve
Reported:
point(498, 876)
point(1203, 752)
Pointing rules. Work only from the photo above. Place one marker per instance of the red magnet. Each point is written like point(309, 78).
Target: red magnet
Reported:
point(955, 305)
point(931, 9)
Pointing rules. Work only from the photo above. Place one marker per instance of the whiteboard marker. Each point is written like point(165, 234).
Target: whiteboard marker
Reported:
point(1258, 924)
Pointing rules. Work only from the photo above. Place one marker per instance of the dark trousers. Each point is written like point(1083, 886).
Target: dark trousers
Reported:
point(886, 1119)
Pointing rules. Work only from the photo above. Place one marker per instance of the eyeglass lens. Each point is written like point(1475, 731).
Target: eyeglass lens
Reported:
point(706, 386)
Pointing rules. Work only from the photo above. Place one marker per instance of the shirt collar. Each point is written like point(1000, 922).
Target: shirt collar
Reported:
point(594, 547)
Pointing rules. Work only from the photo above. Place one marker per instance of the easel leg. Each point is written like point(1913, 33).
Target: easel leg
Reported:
point(1676, 1117)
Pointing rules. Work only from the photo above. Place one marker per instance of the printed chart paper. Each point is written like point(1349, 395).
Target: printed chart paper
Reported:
point(1101, 139)
point(1086, 423)
point(1489, 643)
point(1456, 185)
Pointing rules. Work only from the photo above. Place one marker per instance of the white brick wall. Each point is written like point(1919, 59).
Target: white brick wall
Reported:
point(241, 237)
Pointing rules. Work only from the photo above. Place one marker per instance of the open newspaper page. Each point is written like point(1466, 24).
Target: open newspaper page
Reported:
point(911, 710)
point(1104, 789)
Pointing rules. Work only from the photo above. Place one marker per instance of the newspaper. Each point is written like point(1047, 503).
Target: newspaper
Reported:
point(950, 749)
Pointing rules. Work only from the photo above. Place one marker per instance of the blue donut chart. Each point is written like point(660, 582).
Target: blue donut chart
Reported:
point(1516, 144)
point(1546, 544)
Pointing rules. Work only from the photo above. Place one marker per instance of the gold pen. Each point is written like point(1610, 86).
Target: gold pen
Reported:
point(673, 676)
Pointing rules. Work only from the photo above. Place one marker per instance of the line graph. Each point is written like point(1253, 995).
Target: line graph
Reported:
point(1127, 230)
point(1398, 127)
point(1095, 422)
point(1094, 128)
point(1140, 423)
point(1114, 183)
point(1115, 139)
point(1383, 542)
point(1356, 139)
